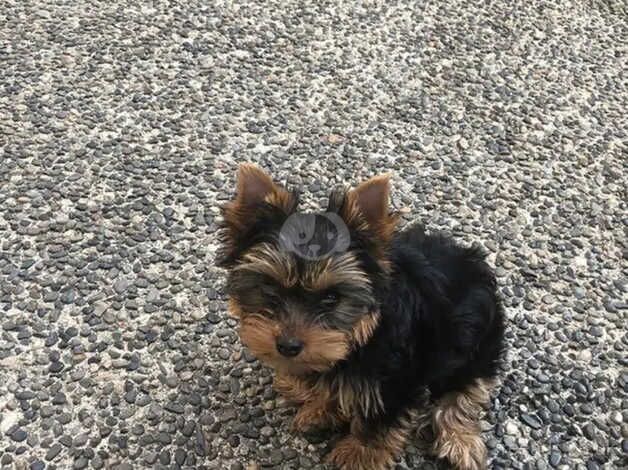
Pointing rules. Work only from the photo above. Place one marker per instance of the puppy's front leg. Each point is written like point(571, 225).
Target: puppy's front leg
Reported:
point(318, 408)
point(293, 388)
point(321, 412)
point(371, 445)
point(456, 424)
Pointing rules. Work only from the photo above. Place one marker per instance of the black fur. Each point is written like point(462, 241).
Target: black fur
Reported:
point(441, 325)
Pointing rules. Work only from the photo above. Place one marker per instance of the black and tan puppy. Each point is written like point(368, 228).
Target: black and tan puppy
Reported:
point(358, 320)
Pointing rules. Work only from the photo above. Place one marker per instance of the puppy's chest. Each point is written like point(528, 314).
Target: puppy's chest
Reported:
point(351, 395)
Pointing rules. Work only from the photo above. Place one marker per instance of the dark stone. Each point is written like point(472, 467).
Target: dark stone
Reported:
point(174, 408)
point(53, 451)
point(589, 431)
point(531, 421)
point(80, 463)
point(179, 456)
point(37, 465)
point(164, 457)
point(555, 458)
point(19, 435)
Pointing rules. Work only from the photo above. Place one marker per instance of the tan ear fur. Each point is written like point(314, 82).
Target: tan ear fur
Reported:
point(371, 199)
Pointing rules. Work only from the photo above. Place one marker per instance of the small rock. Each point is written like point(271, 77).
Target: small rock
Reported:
point(121, 285)
point(53, 452)
point(555, 458)
point(9, 419)
point(37, 465)
point(511, 428)
point(531, 421)
point(19, 435)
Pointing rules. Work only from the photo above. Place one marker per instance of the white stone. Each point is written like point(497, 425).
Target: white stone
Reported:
point(9, 418)
point(511, 428)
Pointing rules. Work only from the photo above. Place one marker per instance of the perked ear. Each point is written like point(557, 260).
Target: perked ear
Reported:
point(371, 199)
point(257, 197)
point(253, 185)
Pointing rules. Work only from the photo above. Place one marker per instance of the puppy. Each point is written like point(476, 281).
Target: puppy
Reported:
point(359, 320)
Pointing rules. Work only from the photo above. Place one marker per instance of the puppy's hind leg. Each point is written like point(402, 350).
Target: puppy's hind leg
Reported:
point(455, 421)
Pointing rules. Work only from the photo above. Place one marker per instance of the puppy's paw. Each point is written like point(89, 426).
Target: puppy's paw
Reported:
point(352, 454)
point(291, 388)
point(313, 416)
point(463, 451)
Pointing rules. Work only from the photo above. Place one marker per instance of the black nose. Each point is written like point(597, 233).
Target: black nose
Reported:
point(289, 347)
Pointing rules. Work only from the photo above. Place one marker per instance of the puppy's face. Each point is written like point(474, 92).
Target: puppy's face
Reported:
point(305, 287)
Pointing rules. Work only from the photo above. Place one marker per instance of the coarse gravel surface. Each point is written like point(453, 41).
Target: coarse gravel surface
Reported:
point(121, 126)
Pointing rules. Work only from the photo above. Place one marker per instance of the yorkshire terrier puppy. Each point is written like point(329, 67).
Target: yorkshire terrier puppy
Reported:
point(359, 320)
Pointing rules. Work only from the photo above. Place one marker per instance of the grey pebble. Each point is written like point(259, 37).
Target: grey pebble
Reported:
point(531, 421)
point(123, 127)
point(121, 285)
point(19, 435)
point(37, 465)
point(54, 450)
point(555, 459)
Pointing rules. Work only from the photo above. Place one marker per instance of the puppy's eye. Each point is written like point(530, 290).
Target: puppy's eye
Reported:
point(271, 297)
point(273, 301)
point(330, 300)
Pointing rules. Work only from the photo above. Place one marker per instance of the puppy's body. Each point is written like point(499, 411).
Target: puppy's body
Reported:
point(440, 324)
point(357, 336)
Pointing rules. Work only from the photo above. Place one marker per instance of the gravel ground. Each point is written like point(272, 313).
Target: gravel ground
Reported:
point(120, 129)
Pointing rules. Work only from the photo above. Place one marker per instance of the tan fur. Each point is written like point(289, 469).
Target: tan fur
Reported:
point(366, 208)
point(267, 259)
point(292, 388)
point(379, 453)
point(319, 412)
point(282, 199)
point(321, 408)
point(344, 268)
point(372, 197)
point(352, 215)
point(364, 328)
point(358, 396)
point(253, 186)
point(326, 347)
point(258, 334)
point(326, 404)
point(456, 426)
point(323, 347)
point(280, 265)
point(362, 396)
point(234, 308)
point(318, 409)
point(424, 428)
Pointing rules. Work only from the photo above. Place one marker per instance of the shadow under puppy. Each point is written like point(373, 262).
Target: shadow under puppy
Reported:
point(357, 334)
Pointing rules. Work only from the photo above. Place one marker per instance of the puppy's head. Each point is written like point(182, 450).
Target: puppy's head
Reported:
point(306, 287)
